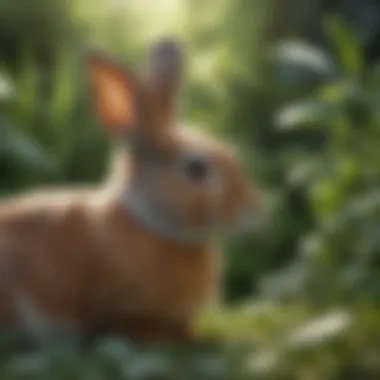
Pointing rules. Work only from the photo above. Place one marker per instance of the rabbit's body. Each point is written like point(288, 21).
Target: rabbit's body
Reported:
point(77, 262)
point(139, 255)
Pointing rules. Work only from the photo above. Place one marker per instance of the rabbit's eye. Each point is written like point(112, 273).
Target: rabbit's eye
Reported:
point(195, 169)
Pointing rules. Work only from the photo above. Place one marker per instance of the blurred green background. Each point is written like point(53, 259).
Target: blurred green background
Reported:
point(295, 85)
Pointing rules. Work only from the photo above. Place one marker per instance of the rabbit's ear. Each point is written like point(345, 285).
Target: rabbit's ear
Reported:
point(114, 92)
point(164, 77)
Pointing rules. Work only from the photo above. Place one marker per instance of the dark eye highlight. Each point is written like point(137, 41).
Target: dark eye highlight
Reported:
point(196, 169)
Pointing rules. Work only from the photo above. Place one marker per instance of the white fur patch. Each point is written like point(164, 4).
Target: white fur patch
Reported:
point(142, 210)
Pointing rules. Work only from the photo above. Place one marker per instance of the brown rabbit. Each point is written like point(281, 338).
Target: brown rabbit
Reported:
point(139, 255)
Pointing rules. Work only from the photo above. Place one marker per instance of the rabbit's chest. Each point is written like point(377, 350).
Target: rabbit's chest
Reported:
point(165, 281)
point(186, 284)
point(143, 273)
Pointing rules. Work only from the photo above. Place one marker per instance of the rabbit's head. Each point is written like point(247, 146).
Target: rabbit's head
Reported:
point(179, 182)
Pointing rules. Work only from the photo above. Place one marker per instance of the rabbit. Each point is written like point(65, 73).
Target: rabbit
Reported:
point(139, 255)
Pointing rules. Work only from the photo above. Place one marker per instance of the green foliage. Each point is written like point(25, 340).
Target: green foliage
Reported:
point(307, 123)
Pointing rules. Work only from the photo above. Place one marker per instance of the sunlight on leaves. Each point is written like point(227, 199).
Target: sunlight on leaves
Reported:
point(301, 54)
point(304, 114)
point(263, 363)
point(320, 330)
point(7, 89)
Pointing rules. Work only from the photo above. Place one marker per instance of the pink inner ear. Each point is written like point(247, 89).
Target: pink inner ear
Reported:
point(113, 95)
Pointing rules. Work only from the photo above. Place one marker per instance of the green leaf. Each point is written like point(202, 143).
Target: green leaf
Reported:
point(347, 45)
point(309, 113)
point(25, 150)
point(298, 60)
